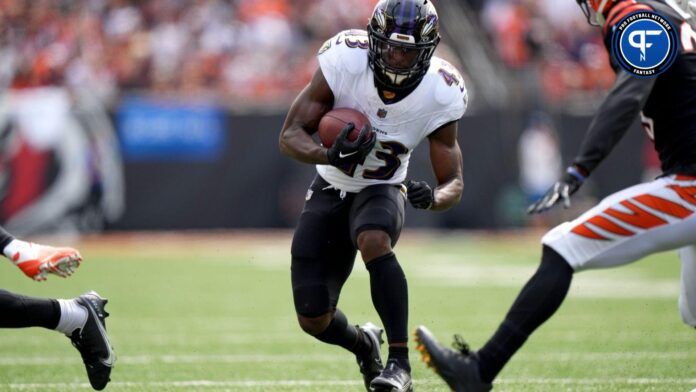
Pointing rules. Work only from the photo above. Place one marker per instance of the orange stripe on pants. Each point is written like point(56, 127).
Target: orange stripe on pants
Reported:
point(664, 205)
point(609, 226)
point(639, 217)
point(585, 231)
point(687, 193)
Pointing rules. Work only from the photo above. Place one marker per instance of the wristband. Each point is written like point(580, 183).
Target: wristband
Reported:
point(573, 171)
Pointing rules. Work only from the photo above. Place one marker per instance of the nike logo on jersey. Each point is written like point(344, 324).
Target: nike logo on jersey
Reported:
point(342, 155)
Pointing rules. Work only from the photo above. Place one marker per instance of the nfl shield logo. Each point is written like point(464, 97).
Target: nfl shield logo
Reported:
point(381, 113)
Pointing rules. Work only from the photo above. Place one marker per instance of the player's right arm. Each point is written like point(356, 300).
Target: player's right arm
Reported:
point(315, 100)
point(615, 115)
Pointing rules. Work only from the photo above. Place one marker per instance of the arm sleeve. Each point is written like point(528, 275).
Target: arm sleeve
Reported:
point(615, 116)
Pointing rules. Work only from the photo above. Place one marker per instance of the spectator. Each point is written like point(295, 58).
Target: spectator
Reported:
point(255, 51)
point(237, 51)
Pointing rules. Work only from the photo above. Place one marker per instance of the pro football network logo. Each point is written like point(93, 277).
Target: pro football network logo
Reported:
point(645, 43)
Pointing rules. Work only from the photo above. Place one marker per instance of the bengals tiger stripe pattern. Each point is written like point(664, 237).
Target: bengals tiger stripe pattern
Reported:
point(630, 224)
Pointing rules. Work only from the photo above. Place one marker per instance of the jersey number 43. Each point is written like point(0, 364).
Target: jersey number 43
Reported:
point(389, 153)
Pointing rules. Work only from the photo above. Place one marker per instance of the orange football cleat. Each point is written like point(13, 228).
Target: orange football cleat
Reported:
point(37, 261)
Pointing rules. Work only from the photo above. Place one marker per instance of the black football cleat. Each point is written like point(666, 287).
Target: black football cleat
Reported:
point(459, 368)
point(371, 365)
point(92, 342)
point(393, 378)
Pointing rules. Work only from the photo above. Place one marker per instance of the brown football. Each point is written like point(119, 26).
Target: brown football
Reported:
point(334, 121)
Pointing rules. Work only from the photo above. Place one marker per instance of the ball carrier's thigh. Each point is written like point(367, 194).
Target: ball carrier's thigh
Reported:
point(377, 207)
point(322, 251)
point(629, 225)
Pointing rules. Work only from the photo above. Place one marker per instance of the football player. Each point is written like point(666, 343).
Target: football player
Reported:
point(626, 226)
point(356, 200)
point(81, 318)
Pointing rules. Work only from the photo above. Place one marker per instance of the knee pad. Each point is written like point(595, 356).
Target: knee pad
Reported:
point(377, 240)
point(312, 300)
point(391, 231)
point(378, 207)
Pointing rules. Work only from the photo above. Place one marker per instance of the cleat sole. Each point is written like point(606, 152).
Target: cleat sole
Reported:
point(424, 354)
point(392, 389)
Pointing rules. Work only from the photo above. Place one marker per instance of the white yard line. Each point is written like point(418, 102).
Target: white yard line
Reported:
point(294, 358)
point(310, 383)
point(622, 356)
point(178, 359)
point(599, 381)
point(592, 284)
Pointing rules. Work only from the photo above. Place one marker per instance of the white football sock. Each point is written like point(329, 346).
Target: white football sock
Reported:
point(72, 316)
point(23, 248)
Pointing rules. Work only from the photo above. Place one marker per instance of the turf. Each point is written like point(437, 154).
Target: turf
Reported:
point(214, 312)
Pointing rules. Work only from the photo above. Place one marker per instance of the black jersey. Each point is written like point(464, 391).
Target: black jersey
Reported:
point(666, 103)
point(671, 107)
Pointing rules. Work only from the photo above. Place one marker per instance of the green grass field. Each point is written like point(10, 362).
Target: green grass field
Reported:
point(214, 312)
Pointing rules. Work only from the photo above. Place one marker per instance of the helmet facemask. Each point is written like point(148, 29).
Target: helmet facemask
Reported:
point(594, 10)
point(401, 48)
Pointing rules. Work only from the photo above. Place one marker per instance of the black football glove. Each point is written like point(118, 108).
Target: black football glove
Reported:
point(420, 194)
point(343, 151)
point(561, 190)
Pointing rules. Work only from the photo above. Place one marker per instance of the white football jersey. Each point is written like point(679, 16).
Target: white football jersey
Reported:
point(439, 98)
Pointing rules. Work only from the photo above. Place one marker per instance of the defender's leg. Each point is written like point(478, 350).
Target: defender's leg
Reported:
point(19, 311)
point(464, 370)
point(625, 227)
point(81, 319)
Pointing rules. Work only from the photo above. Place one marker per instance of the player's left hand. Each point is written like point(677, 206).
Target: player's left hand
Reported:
point(420, 194)
point(560, 191)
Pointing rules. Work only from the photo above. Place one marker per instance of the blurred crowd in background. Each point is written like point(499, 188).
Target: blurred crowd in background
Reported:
point(261, 52)
point(240, 51)
point(183, 97)
point(550, 48)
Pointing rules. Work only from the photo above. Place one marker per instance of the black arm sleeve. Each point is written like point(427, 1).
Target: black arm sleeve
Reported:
point(5, 238)
point(615, 116)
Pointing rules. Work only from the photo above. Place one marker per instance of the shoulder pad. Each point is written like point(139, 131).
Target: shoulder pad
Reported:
point(347, 50)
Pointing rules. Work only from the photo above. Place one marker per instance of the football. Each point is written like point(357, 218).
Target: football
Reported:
point(333, 122)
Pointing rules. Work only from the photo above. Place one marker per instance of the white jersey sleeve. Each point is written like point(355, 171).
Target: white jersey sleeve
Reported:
point(338, 61)
point(450, 98)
